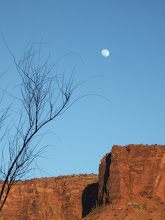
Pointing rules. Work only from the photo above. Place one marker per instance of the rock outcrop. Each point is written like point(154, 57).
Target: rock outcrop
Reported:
point(131, 185)
point(133, 171)
point(61, 198)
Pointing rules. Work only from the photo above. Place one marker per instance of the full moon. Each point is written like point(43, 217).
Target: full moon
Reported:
point(105, 53)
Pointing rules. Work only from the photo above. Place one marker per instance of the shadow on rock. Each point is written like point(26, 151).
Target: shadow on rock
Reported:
point(89, 198)
point(104, 195)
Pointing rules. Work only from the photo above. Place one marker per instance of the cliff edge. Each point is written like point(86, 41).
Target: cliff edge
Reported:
point(131, 185)
point(58, 198)
point(132, 171)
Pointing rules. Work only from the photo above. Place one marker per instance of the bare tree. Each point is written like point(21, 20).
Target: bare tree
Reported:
point(45, 95)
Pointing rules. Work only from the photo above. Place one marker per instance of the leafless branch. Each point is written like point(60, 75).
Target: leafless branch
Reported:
point(44, 96)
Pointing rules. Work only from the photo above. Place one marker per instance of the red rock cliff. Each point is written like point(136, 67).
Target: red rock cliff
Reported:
point(61, 198)
point(132, 171)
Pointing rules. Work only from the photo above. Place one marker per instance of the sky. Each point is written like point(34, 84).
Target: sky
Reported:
point(129, 105)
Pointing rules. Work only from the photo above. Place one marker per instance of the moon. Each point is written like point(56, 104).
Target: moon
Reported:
point(105, 53)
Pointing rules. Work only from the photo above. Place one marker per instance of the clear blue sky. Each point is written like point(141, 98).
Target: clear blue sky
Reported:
point(133, 76)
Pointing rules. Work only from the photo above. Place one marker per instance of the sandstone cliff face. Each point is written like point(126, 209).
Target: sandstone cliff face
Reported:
point(131, 172)
point(131, 186)
point(61, 198)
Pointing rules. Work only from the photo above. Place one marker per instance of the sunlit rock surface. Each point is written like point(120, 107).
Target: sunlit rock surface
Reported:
point(61, 198)
point(132, 171)
point(131, 185)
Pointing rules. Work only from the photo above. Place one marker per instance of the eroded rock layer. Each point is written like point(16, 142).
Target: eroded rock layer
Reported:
point(62, 198)
point(132, 171)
